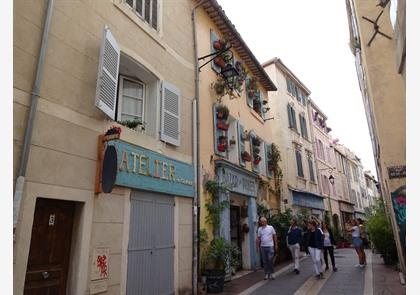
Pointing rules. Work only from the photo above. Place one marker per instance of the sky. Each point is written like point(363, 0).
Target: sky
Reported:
point(312, 39)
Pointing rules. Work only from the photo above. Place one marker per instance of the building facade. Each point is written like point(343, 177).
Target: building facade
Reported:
point(293, 135)
point(382, 84)
point(235, 138)
point(103, 214)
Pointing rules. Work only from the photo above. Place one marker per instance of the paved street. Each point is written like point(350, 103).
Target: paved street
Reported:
point(348, 280)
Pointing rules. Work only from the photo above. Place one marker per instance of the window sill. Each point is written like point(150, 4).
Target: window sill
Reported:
point(301, 178)
point(256, 115)
point(295, 130)
point(312, 182)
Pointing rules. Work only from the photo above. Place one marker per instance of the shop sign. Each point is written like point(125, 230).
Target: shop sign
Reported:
point(308, 200)
point(140, 168)
point(396, 172)
point(346, 208)
point(238, 182)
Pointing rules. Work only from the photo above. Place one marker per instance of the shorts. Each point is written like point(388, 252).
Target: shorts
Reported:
point(357, 242)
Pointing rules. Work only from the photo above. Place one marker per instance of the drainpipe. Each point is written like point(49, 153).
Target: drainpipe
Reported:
point(20, 181)
point(196, 155)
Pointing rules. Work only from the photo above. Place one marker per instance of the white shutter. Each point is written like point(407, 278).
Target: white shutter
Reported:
point(106, 86)
point(170, 130)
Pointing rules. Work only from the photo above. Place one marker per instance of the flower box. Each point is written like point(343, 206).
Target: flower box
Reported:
point(221, 147)
point(222, 125)
point(220, 61)
point(246, 156)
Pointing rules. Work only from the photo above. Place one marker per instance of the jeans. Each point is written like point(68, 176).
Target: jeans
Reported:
point(316, 259)
point(267, 257)
point(295, 250)
point(330, 250)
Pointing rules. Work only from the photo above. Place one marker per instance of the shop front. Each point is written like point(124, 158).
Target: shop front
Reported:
point(347, 212)
point(159, 217)
point(239, 223)
point(312, 202)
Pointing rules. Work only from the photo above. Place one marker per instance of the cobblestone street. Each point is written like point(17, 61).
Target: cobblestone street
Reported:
point(375, 279)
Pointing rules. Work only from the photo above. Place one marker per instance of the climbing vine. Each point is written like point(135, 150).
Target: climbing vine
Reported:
point(213, 205)
point(274, 162)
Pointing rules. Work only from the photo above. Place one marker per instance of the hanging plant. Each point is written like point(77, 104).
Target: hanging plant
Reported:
point(222, 125)
point(256, 150)
point(133, 124)
point(245, 135)
point(265, 102)
point(219, 45)
point(257, 159)
point(113, 130)
point(256, 141)
point(221, 147)
point(222, 112)
point(220, 61)
point(246, 156)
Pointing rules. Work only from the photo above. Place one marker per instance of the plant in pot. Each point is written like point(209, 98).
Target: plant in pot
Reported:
point(232, 141)
point(246, 156)
point(113, 130)
point(219, 44)
point(257, 159)
point(221, 256)
point(222, 125)
point(222, 144)
point(245, 135)
point(256, 141)
point(220, 61)
point(222, 112)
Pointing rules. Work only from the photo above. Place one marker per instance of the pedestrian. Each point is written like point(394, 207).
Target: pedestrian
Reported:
point(305, 237)
point(267, 244)
point(363, 235)
point(316, 241)
point(329, 243)
point(357, 242)
point(294, 240)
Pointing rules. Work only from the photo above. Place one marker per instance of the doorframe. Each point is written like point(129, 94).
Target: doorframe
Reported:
point(77, 275)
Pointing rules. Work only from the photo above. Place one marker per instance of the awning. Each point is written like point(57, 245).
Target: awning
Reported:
point(346, 207)
point(307, 199)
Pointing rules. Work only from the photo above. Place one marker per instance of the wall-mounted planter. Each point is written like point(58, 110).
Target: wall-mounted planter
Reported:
point(222, 125)
point(257, 160)
point(232, 141)
point(222, 112)
point(246, 156)
point(256, 141)
point(221, 147)
point(245, 135)
point(219, 45)
point(220, 61)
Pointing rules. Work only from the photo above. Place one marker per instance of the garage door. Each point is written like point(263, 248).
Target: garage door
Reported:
point(151, 244)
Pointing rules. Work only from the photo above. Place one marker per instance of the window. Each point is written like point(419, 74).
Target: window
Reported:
point(132, 93)
point(326, 184)
point(146, 9)
point(320, 148)
point(292, 117)
point(303, 128)
point(311, 169)
point(299, 163)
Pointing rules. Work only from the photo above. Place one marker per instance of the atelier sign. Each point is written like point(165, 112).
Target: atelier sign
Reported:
point(140, 168)
point(396, 171)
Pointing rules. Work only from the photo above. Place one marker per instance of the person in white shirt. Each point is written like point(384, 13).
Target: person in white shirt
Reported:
point(357, 242)
point(267, 244)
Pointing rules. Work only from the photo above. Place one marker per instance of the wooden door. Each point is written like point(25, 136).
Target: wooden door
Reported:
point(49, 252)
point(235, 229)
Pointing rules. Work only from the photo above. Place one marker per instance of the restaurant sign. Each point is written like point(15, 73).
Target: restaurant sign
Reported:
point(237, 180)
point(143, 169)
point(396, 172)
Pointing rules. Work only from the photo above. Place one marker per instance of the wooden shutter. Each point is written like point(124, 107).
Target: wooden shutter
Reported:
point(262, 98)
point(311, 169)
point(299, 163)
point(301, 124)
point(249, 100)
point(170, 130)
point(294, 125)
point(289, 115)
point(241, 144)
point(305, 129)
point(106, 85)
point(214, 37)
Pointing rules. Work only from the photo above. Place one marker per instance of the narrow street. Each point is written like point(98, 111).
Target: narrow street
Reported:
point(376, 278)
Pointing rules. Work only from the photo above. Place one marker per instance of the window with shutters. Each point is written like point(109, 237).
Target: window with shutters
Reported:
point(311, 168)
point(326, 185)
point(299, 163)
point(320, 149)
point(292, 117)
point(131, 100)
point(303, 128)
point(147, 10)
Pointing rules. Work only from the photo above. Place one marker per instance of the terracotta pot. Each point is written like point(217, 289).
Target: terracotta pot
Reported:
point(221, 147)
point(219, 45)
point(222, 125)
point(220, 61)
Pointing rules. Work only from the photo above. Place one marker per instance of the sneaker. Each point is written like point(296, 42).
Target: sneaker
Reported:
point(327, 268)
point(297, 271)
point(334, 268)
point(266, 277)
point(362, 265)
point(357, 265)
point(271, 277)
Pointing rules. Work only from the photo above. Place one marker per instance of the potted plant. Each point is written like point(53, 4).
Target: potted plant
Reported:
point(221, 147)
point(256, 150)
point(222, 112)
point(232, 141)
point(220, 61)
point(256, 141)
point(257, 160)
point(221, 256)
point(246, 156)
point(113, 130)
point(222, 125)
point(245, 135)
point(219, 44)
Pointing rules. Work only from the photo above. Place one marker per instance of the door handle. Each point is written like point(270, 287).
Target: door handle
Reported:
point(45, 275)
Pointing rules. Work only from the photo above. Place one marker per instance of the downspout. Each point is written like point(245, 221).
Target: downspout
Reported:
point(196, 155)
point(20, 181)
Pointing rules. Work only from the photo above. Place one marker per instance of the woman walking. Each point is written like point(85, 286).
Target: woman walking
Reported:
point(329, 243)
point(357, 243)
point(316, 241)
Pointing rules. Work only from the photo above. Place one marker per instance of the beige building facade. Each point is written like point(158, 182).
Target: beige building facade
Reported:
point(376, 46)
point(114, 242)
point(234, 146)
point(293, 135)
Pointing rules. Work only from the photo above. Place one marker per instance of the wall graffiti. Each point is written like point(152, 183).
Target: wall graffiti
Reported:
point(399, 205)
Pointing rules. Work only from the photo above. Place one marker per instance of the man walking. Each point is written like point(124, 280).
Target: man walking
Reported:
point(267, 244)
point(294, 239)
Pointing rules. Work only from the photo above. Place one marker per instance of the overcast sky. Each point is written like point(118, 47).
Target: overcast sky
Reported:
point(311, 38)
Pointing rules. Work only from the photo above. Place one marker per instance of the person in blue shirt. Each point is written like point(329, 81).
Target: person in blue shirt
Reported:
point(294, 240)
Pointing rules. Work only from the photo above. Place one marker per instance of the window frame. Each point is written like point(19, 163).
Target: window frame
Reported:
point(120, 95)
point(142, 16)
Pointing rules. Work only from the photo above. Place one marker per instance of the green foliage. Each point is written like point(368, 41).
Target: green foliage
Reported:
point(380, 233)
point(302, 214)
point(214, 206)
point(274, 162)
point(132, 124)
point(221, 254)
